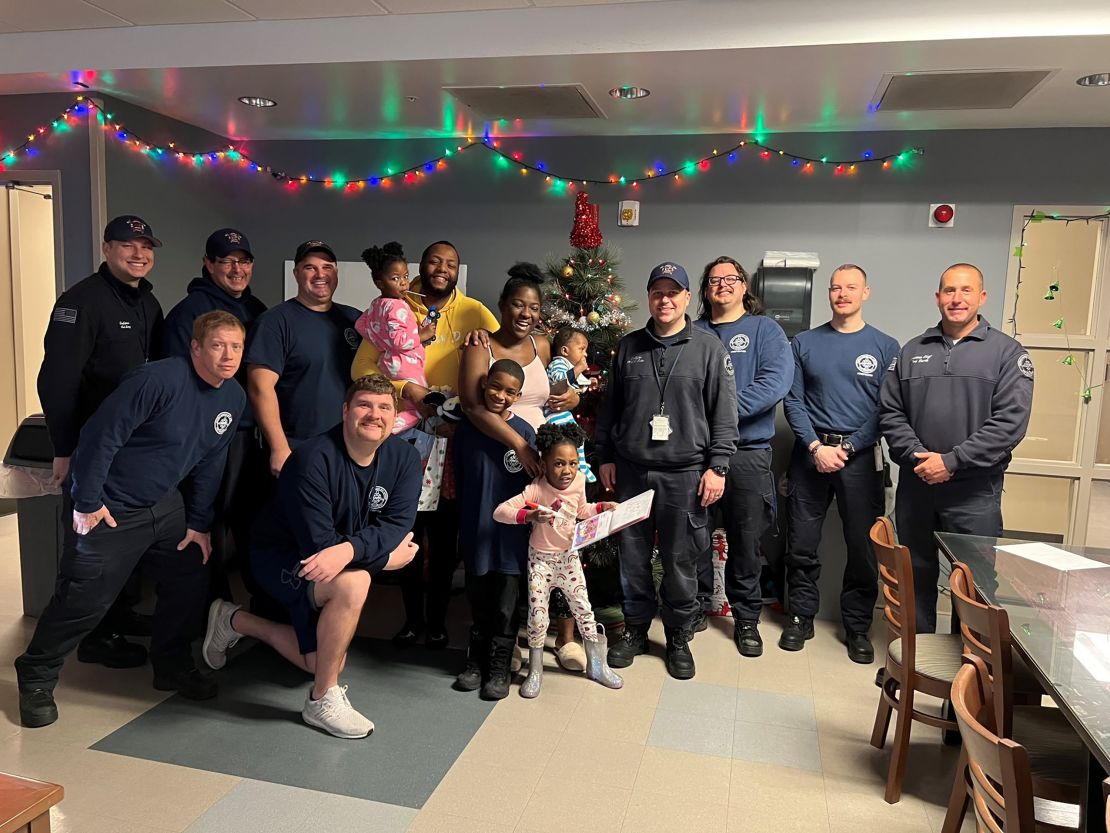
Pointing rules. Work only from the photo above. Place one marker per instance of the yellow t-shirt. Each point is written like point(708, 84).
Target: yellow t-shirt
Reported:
point(459, 316)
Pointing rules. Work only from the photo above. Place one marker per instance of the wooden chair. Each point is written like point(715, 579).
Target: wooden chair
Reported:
point(1002, 785)
point(925, 663)
point(1056, 757)
point(25, 804)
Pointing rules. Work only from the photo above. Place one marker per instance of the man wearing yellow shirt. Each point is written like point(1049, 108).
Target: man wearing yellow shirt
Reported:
point(435, 532)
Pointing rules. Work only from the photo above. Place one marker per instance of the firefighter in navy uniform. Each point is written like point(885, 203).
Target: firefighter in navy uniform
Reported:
point(167, 420)
point(101, 328)
point(952, 412)
point(226, 271)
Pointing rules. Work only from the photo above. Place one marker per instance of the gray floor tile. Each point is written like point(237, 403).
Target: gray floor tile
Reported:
point(772, 708)
point(778, 745)
point(700, 733)
point(253, 728)
point(340, 813)
point(692, 697)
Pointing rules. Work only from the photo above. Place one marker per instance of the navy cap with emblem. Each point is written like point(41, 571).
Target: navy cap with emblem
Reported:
point(223, 242)
point(310, 246)
point(672, 271)
point(129, 227)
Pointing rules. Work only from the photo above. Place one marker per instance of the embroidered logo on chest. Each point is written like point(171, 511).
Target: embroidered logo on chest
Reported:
point(378, 498)
point(352, 337)
point(739, 343)
point(125, 325)
point(512, 464)
point(866, 365)
point(222, 422)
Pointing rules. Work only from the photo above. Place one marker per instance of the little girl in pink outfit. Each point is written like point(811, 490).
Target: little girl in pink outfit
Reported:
point(553, 503)
point(391, 326)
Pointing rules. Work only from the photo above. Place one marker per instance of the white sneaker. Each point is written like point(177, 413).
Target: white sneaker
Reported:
point(334, 714)
point(220, 635)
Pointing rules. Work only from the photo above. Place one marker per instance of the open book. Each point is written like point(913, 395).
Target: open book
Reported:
point(604, 524)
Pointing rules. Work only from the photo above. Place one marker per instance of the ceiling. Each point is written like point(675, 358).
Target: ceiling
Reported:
point(713, 66)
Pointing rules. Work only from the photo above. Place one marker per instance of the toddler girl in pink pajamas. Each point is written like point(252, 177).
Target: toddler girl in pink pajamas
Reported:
point(553, 503)
point(391, 326)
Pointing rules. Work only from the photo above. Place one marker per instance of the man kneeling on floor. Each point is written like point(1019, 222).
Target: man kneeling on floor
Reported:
point(166, 419)
point(343, 511)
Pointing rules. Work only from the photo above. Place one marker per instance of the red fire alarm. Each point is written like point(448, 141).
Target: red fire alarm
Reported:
point(942, 215)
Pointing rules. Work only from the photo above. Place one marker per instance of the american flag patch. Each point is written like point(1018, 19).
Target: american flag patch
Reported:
point(64, 315)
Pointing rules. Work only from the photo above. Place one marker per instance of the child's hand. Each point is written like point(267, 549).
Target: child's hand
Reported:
point(539, 516)
point(607, 506)
point(428, 332)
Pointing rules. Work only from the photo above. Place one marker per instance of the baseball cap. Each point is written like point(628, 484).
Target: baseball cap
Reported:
point(669, 270)
point(310, 246)
point(129, 227)
point(223, 242)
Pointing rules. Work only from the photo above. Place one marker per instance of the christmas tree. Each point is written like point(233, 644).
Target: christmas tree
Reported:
point(583, 290)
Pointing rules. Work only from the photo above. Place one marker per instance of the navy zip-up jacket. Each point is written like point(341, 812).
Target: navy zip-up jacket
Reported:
point(323, 498)
point(969, 401)
point(160, 424)
point(100, 329)
point(761, 357)
point(204, 296)
point(700, 402)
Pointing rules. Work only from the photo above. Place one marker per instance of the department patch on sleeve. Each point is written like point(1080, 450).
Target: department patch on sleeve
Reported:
point(64, 315)
point(1025, 365)
point(729, 369)
point(893, 364)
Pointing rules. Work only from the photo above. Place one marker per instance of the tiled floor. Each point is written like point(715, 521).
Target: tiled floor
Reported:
point(778, 743)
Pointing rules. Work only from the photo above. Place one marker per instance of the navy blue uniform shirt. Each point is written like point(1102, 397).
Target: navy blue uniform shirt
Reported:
point(837, 378)
point(487, 474)
point(324, 498)
point(311, 352)
point(760, 355)
point(160, 424)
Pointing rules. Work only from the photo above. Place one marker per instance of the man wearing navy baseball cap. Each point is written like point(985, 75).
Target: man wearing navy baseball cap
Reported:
point(668, 424)
point(101, 328)
point(224, 284)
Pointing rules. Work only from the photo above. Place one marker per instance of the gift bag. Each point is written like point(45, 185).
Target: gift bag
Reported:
point(718, 602)
point(433, 454)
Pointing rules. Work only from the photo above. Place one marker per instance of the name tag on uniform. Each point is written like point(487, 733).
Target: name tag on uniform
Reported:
point(660, 427)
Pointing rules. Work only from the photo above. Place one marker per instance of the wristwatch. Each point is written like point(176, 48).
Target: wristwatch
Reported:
point(847, 446)
point(721, 471)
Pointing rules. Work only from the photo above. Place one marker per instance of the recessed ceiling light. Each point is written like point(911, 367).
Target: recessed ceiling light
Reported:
point(630, 92)
point(257, 101)
point(1099, 79)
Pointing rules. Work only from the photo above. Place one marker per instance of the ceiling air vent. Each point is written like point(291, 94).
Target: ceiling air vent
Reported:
point(543, 101)
point(957, 90)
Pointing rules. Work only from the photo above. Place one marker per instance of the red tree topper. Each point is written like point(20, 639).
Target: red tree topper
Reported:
point(585, 234)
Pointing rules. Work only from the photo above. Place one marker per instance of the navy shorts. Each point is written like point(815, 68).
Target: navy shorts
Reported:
point(294, 593)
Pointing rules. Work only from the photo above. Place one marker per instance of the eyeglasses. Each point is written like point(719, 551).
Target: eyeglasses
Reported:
point(230, 261)
point(725, 280)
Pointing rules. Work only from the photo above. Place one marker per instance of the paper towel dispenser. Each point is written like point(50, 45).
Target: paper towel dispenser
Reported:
point(787, 293)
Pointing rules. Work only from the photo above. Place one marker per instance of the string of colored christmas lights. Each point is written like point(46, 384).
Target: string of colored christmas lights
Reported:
point(1054, 286)
point(234, 155)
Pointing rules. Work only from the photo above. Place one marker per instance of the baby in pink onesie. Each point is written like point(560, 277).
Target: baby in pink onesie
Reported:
point(391, 326)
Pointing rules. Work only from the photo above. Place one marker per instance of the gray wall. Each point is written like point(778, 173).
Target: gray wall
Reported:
point(496, 216)
point(67, 153)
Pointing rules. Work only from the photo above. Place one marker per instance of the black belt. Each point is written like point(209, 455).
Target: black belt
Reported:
point(832, 438)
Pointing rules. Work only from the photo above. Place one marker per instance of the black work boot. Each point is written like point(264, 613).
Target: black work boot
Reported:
point(699, 623)
point(860, 648)
point(470, 679)
point(680, 662)
point(37, 708)
point(746, 636)
point(496, 687)
point(111, 650)
point(797, 631)
point(632, 643)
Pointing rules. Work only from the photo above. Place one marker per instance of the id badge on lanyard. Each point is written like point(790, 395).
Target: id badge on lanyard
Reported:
point(660, 423)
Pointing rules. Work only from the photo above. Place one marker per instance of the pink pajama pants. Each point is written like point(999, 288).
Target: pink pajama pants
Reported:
point(562, 570)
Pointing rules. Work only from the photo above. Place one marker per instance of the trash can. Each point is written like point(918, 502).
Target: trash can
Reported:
point(39, 518)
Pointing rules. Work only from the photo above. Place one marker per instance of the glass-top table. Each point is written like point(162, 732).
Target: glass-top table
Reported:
point(1059, 620)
